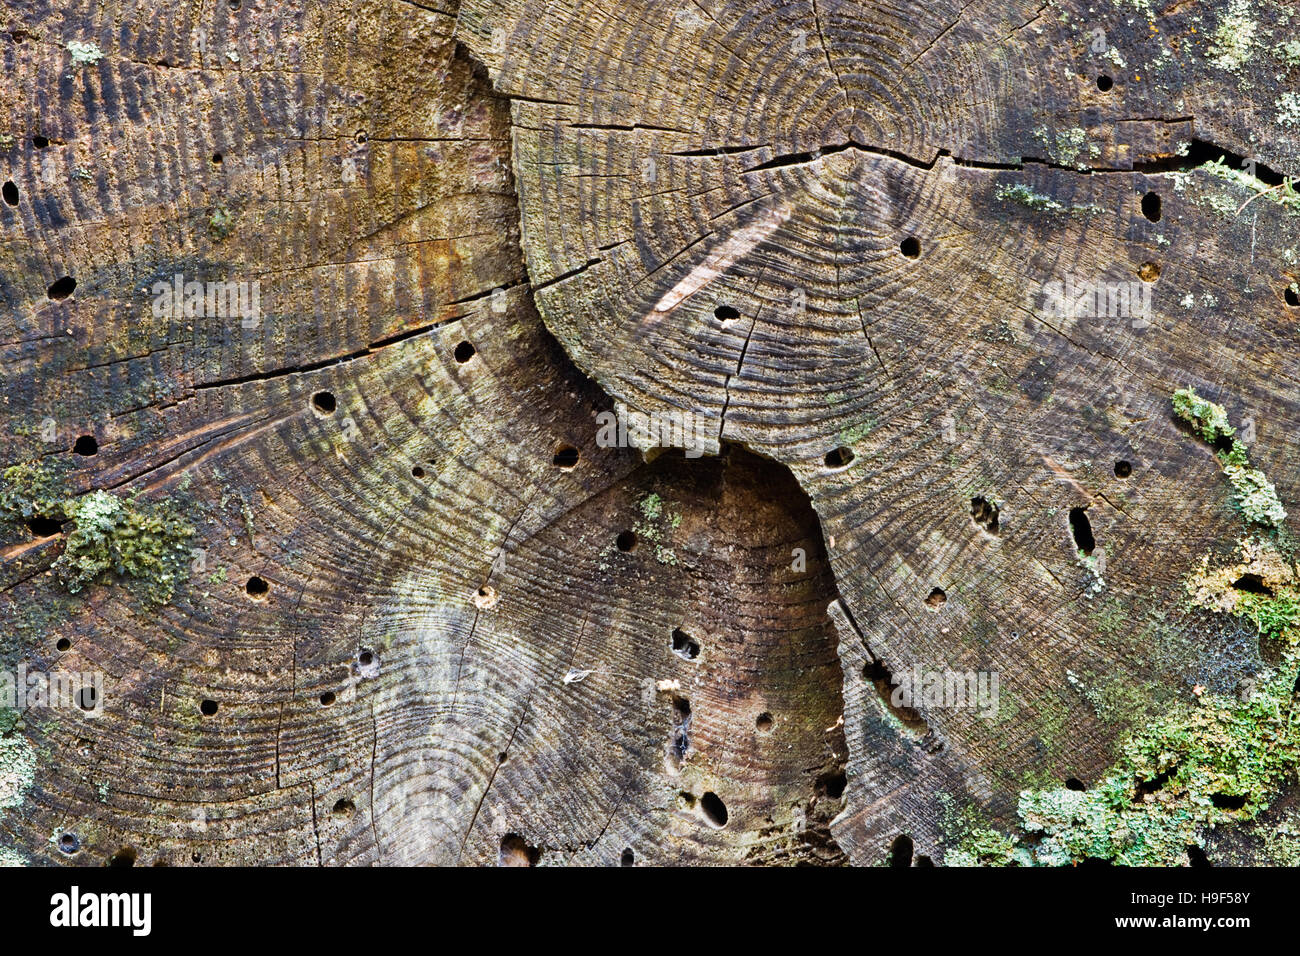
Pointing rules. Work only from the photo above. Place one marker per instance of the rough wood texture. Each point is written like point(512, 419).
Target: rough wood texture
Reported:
point(357, 526)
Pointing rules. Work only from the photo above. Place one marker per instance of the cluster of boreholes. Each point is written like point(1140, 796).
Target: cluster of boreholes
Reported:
point(986, 515)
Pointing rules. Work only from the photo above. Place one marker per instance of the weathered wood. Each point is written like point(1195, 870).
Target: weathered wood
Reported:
point(368, 586)
point(421, 640)
point(831, 229)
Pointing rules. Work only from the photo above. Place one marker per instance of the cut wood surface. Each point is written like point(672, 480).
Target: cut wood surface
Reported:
point(366, 584)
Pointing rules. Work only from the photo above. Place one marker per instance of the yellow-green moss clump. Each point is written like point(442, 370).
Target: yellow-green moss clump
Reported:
point(107, 535)
point(1218, 760)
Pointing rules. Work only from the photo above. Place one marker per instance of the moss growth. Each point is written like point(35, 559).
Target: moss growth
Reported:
point(147, 543)
point(1217, 760)
point(32, 490)
point(127, 538)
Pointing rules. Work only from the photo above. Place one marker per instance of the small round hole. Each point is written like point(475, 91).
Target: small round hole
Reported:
point(464, 352)
point(69, 843)
point(257, 588)
point(327, 698)
point(236, 4)
point(566, 457)
point(715, 811)
point(208, 708)
point(628, 858)
point(726, 313)
point(1151, 206)
point(417, 472)
point(10, 193)
point(937, 598)
point(1292, 297)
point(763, 722)
point(344, 807)
point(86, 446)
point(217, 159)
point(123, 857)
point(910, 247)
point(366, 658)
point(625, 541)
point(840, 457)
point(1123, 469)
point(361, 137)
point(1149, 272)
point(40, 142)
point(1074, 783)
point(42, 527)
point(324, 403)
point(61, 288)
point(1104, 83)
point(63, 644)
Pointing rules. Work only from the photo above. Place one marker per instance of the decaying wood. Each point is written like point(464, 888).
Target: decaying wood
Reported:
point(395, 602)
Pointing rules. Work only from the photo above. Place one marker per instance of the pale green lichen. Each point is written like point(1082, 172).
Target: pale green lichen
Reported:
point(84, 53)
point(126, 538)
point(10, 857)
point(1233, 42)
point(17, 770)
point(1284, 195)
point(1063, 145)
point(1208, 420)
point(221, 223)
point(657, 522)
point(1255, 495)
point(989, 848)
point(1288, 109)
point(1022, 195)
point(147, 543)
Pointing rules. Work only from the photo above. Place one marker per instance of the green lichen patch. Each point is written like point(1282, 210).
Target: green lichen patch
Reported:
point(111, 535)
point(1022, 195)
point(1233, 43)
point(989, 848)
point(1284, 195)
point(221, 223)
point(17, 770)
point(1215, 762)
point(145, 543)
point(84, 53)
point(10, 857)
point(1256, 497)
point(32, 490)
point(1208, 420)
point(656, 526)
